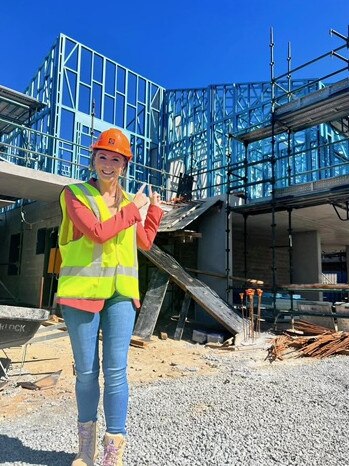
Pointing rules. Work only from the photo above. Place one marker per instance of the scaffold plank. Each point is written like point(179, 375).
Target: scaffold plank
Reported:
point(198, 290)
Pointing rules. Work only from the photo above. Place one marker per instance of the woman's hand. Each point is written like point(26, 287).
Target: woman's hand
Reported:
point(154, 197)
point(140, 198)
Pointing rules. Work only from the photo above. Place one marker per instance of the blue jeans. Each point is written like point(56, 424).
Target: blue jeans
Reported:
point(116, 321)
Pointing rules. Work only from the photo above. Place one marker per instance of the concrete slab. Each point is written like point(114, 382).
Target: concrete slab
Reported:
point(27, 183)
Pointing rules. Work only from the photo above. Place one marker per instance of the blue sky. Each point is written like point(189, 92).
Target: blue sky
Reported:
point(184, 43)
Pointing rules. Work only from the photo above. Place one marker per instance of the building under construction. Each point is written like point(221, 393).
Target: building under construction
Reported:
point(255, 177)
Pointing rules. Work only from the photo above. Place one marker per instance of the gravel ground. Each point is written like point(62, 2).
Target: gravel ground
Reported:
point(251, 414)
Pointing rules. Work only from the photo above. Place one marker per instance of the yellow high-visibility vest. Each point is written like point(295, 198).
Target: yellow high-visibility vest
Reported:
point(91, 270)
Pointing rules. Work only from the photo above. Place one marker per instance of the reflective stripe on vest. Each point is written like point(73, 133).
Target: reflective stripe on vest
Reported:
point(91, 270)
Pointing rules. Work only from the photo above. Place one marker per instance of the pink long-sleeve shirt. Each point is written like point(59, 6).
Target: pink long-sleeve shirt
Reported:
point(87, 224)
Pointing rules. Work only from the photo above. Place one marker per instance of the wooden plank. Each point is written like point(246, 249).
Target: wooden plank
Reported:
point(198, 290)
point(133, 342)
point(151, 306)
point(316, 286)
point(252, 281)
point(138, 343)
point(54, 320)
point(182, 316)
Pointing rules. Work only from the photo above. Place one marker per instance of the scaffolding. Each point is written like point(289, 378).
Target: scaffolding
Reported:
point(307, 163)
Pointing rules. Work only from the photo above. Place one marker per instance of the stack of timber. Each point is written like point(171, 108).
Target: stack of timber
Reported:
point(321, 344)
point(308, 328)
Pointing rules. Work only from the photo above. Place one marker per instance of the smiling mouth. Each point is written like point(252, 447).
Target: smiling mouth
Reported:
point(107, 173)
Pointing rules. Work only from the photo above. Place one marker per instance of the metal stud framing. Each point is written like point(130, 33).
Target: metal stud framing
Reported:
point(181, 131)
point(200, 123)
point(86, 93)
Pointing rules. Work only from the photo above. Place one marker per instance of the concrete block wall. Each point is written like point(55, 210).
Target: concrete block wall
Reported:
point(259, 256)
point(26, 286)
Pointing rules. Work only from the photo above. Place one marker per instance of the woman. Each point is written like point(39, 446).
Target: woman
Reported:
point(98, 288)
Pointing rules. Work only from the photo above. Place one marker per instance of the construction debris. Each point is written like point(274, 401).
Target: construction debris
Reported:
point(199, 336)
point(321, 343)
point(220, 347)
point(42, 384)
point(215, 338)
point(3, 384)
point(53, 320)
point(308, 328)
point(227, 345)
point(138, 343)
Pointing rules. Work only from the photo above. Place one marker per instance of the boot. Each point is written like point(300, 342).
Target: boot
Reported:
point(87, 444)
point(114, 446)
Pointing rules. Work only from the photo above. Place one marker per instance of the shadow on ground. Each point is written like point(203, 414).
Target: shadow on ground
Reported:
point(13, 451)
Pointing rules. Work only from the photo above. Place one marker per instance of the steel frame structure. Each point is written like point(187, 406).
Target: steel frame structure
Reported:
point(204, 128)
point(173, 132)
point(202, 133)
point(86, 93)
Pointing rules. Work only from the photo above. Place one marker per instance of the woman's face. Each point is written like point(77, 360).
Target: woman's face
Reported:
point(109, 165)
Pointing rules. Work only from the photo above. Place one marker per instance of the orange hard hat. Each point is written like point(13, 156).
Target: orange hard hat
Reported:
point(113, 139)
